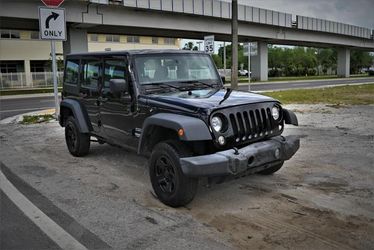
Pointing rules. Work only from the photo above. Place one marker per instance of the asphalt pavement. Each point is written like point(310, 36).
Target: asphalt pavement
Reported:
point(18, 231)
point(11, 106)
point(270, 86)
point(18, 105)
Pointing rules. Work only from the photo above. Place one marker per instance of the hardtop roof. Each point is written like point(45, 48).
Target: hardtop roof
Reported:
point(135, 52)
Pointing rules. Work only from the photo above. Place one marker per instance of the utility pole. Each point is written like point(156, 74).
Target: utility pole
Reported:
point(224, 57)
point(234, 44)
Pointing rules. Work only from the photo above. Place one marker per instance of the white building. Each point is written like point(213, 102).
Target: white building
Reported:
point(25, 60)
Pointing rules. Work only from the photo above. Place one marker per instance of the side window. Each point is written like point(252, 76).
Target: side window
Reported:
point(71, 72)
point(91, 74)
point(114, 69)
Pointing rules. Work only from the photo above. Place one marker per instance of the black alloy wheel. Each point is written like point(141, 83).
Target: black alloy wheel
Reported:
point(78, 143)
point(171, 186)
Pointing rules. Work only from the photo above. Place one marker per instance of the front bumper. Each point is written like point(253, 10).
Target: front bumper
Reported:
point(252, 158)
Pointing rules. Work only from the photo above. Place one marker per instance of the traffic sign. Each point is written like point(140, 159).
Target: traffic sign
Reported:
point(209, 44)
point(52, 23)
point(254, 49)
point(52, 3)
point(246, 49)
point(250, 48)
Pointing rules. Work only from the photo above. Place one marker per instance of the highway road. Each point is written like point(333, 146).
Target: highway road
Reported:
point(19, 105)
point(14, 106)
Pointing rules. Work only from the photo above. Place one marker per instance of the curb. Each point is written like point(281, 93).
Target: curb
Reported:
point(19, 118)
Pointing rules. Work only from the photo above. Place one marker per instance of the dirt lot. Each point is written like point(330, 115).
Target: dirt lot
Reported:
point(322, 198)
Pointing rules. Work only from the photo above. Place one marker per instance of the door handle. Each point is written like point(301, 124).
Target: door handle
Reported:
point(100, 100)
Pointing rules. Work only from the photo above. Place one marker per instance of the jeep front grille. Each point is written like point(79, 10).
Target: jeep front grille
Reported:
point(252, 124)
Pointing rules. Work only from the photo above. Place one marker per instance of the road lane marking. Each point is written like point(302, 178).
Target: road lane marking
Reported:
point(47, 225)
point(28, 109)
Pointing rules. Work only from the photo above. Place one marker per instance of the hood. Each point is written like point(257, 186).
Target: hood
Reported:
point(207, 99)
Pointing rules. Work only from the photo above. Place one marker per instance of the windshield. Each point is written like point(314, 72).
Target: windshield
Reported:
point(182, 68)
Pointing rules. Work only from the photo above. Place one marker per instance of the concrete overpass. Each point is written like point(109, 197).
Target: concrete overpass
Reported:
point(194, 19)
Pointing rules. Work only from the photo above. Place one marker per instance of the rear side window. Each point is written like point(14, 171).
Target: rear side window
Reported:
point(72, 72)
point(114, 69)
point(91, 74)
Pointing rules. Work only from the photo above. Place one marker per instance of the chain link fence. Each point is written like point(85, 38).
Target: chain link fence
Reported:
point(33, 80)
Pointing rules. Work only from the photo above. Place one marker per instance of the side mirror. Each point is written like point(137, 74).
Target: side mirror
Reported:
point(118, 86)
point(223, 78)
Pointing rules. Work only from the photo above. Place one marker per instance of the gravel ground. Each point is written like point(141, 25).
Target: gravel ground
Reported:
point(321, 199)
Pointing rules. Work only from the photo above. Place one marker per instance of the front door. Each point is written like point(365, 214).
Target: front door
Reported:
point(116, 111)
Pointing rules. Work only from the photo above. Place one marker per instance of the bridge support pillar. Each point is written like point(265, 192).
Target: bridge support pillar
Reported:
point(343, 65)
point(76, 42)
point(260, 62)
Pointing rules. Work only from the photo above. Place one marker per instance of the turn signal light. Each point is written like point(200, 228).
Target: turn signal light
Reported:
point(181, 132)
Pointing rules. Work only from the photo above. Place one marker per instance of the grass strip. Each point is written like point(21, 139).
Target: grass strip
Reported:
point(342, 95)
point(34, 119)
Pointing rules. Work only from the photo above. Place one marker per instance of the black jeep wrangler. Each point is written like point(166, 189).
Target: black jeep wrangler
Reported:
point(172, 106)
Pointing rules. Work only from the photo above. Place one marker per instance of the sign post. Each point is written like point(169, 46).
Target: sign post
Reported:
point(250, 49)
point(53, 27)
point(209, 44)
point(247, 52)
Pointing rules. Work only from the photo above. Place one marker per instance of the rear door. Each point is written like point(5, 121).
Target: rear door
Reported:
point(91, 79)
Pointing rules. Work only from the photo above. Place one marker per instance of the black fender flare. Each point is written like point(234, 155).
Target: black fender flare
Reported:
point(79, 113)
point(194, 128)
point(290, 117)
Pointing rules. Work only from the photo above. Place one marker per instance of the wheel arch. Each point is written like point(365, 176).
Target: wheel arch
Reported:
point(164, 126)
point(73, 107)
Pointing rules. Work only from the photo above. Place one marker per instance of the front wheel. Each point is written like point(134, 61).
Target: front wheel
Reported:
point(78, 143)
point(171, 186)
point(272, 169)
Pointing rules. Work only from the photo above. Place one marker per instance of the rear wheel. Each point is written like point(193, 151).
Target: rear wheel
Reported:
point(171, 186)
point(78, 143)
point(272, 169)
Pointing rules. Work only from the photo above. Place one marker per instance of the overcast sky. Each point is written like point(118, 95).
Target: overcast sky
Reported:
point(356, 12)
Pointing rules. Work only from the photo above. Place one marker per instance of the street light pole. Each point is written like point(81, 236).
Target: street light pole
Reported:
point(234, 39)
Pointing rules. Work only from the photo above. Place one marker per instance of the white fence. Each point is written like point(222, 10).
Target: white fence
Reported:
point(28, 80)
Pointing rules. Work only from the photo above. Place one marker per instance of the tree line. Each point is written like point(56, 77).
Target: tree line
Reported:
point(297, 61)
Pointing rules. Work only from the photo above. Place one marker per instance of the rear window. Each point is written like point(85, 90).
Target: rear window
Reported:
point(72, 72)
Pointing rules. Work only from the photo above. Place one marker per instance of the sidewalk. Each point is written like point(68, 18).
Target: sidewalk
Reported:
point(5, 97)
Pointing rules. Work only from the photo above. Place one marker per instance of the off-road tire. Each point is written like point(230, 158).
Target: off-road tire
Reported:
point(272, 169)
point(78, 143)
point(164, 164)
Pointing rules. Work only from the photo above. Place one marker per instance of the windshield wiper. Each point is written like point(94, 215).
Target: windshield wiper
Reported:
point(162, 84)
point(201, 82)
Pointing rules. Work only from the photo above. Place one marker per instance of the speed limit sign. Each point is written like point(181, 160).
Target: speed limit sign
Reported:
point(209, 44)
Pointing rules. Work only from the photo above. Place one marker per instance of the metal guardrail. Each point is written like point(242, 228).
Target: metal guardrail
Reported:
point(315, 24)
point(213, 8)
point(19, 80)
point(217, 8)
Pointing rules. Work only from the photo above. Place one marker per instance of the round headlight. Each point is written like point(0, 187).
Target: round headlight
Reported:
point(216, 123)
point(275, 112)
